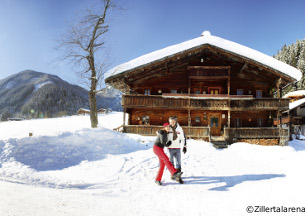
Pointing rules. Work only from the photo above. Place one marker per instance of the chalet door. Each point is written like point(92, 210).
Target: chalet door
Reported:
point(215, 124)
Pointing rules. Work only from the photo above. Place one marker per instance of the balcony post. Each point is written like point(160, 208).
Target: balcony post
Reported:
point(229, 118)
point(277, 118)
point(279, 82)
point(124, 114)
point(123, 100)
point(189, 117)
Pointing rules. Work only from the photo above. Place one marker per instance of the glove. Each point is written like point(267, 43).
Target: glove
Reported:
point(161, 132)
point(168, 143)
point(184, 149)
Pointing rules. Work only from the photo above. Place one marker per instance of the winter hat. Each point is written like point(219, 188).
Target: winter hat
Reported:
point(165, 124)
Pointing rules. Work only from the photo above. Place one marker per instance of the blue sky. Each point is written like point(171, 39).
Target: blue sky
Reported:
point(29, 28)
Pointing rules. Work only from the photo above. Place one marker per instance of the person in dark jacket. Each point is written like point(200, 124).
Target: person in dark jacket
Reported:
point(158, 148)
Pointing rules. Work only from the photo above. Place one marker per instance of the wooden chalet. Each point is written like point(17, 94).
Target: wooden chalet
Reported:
point(219, 90)
point(83, 111)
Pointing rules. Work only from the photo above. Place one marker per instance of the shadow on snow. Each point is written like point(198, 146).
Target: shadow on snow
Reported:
point(298, 145)
point(230, 181)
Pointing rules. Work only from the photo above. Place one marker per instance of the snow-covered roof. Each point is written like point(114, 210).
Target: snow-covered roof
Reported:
point(296, 103)
point(83, 109)
point(207, 38)
point(295, 94)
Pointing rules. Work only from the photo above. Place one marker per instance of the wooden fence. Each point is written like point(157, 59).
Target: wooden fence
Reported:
point(151, 130)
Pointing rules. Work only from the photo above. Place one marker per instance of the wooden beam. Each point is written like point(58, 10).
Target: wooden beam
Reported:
point(208, 67)
point(243, 68)
point(208, 77)
point(166, 67)
point(278, 83)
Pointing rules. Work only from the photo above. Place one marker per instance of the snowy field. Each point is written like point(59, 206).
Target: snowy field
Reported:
point(67, 168)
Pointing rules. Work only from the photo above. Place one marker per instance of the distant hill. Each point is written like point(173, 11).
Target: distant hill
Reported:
point(31, 94)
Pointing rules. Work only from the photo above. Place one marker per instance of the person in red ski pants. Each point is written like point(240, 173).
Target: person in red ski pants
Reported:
point(158, 148)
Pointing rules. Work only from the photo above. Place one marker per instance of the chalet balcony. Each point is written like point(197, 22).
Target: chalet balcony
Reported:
point(151, 130)
point(206, 102)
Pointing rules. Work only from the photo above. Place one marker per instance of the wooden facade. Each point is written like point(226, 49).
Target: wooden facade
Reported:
point(213, 93)
point(294, 118)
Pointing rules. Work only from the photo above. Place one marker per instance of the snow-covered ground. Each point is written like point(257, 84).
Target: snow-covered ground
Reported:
point(67, 168)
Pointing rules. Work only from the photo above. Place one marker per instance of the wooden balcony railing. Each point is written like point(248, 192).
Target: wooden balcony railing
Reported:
point(197, 132)
point(145, 130)
point(156, 101)
point(151, 130)
point(260, 103)
point(257, 133)
point(219, 102)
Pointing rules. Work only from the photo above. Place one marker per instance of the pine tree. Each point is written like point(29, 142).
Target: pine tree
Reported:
point(294, 55)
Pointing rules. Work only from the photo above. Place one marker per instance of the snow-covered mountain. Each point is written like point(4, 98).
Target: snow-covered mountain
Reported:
point(35, 94)
point(110, 97)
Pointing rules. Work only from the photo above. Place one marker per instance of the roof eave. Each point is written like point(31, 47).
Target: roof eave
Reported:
point(290, 78)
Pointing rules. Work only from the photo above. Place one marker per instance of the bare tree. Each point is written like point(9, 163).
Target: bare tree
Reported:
point(83, 42)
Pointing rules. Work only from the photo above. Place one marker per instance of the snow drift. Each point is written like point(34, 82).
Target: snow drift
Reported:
point(66, 168)
point(67, 149)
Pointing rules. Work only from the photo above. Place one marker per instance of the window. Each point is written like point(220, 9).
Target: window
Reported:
point(259, 122)
point(214, 90)
point(214, 122)
point(237, 122)
point(197, 119)
point(147, 92)
point(145, 120)
point(240, 92)
point(197, 91)
point(174, 91)
point(259, 94)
